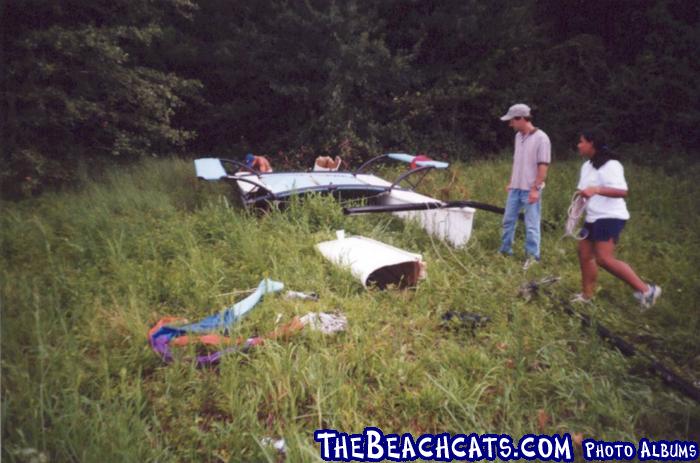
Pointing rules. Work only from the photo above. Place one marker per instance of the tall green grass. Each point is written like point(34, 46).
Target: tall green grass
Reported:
point(85, 274)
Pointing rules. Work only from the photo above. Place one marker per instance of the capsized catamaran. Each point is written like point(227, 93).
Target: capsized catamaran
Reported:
point(258, 189)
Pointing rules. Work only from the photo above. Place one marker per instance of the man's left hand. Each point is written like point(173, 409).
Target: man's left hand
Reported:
point(534, 196)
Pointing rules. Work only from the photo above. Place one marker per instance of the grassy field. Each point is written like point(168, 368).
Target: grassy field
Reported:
point(85, 274)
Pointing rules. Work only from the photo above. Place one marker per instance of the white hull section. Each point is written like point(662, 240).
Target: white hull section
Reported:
point(453, 225)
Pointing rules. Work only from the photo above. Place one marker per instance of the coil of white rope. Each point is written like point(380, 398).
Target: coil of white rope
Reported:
point(578, 205)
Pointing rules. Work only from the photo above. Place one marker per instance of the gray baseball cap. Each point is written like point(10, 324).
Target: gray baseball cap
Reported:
point(517, 110)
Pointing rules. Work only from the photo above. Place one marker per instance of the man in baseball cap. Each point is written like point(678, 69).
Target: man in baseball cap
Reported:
point(517, 110)
point(531, 158)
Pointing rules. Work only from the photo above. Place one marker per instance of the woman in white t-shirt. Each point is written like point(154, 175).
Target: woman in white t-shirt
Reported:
point(602, 183)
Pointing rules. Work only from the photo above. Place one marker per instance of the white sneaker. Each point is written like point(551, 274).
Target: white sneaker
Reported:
point(579, 298)
point(529, 262)
point(646, 301)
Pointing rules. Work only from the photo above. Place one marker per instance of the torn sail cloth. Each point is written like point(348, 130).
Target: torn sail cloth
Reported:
point(163, 333)
point(238, 345)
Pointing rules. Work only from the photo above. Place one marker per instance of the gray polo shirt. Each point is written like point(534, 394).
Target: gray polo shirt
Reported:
point(530, 150)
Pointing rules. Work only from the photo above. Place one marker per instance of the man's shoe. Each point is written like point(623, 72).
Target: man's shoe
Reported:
point(529, 262)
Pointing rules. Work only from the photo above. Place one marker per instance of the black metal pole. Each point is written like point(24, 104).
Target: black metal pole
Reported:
point(435, 205)
point(627, 349)
point(421, 207)
point(425, 206)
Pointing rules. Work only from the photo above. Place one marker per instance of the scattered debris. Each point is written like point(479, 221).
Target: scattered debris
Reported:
point(166, 331)
point(299, 295)
point(172, 332)
point(461, 320)
point(278, 444)
point(284, 331)
point(374, 262)
point(667, 372)
point(326, 323)
point(531, 288)
point(260, 190)
point(31, 455)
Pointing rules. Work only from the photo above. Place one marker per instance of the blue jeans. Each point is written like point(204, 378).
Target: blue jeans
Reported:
point(517, 199)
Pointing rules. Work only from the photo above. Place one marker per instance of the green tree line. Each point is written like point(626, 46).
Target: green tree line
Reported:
point(89, 84)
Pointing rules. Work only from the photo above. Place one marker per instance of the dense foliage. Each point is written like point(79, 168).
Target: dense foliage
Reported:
point(78, 92)
point(89, 82)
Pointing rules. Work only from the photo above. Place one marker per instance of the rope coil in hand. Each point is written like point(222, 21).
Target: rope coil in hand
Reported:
point(575, 211)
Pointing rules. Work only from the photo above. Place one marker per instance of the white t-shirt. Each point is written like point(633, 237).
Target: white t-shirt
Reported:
point(610, 175)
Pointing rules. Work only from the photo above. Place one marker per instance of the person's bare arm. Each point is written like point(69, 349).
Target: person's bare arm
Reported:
point(534, 195)
point(603, 191)
point(262, 164)
point(541, 173)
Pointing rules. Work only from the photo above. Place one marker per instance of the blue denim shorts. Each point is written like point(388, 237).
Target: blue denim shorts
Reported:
point(603, 230)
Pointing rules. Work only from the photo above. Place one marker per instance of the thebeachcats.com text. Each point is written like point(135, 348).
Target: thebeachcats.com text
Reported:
point(373, 445)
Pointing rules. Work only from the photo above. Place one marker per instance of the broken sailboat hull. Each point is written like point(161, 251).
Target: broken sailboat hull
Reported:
point(374, 262)
point(256, 189)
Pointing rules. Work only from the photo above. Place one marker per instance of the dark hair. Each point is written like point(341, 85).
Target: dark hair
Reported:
point(602, 151)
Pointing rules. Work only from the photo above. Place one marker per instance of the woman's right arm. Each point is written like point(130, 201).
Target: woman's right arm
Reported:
point(603, 191)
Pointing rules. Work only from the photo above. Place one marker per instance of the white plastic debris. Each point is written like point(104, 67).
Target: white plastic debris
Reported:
point(373, 261)
point(277, 444)
point(326, 323)
point(299, 295)
point(31, 455)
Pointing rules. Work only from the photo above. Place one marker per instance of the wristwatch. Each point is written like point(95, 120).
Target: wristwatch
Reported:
point(540, 187)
